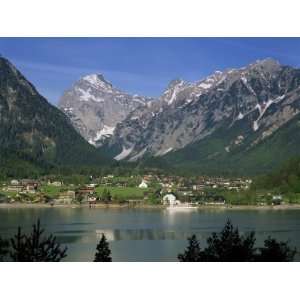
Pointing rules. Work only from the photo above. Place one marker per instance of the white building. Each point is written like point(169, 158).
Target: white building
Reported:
point(170, 199)
point(143, 184)
point(92, 185)
point(14, 182)
point(55, 183)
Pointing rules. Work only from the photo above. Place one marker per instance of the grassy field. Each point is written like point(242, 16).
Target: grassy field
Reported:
point(123, 192)
point(51, 191)
point(8, 194)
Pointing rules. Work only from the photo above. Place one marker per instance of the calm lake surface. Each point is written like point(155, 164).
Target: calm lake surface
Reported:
point(146, 234)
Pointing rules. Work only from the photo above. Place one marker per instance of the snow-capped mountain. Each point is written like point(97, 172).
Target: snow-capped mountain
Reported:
point(95, 107)
point(214, 121)
point(255, 101)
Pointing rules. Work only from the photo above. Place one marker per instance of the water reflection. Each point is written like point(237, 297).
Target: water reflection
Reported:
point(145, 234)
point(68, 239)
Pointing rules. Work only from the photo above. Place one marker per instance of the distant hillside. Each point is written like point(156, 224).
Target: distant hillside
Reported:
point(33, 131)
point(207, 156)
point(285, 179)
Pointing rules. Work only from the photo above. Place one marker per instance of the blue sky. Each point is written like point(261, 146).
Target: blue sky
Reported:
point(137, 65)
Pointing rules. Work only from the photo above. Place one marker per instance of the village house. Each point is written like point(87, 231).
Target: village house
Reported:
point(170, 199)
point(14, 182)
point(91, 185)
point(84, 193)
point(107, 180)
point(148, 177)
point(92, 200)
point(14, 187)
point(276, 199)
point(55, 183)
point(198, 187)
point(24, 185)
point(30, 186)
point(185, 192)
point(143, 184)
point(167, 185)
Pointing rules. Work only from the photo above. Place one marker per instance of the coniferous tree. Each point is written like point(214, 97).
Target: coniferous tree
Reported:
point(192, 252)
point(36, 247)
point(4, 248)
point(229, 245)
point(103, 252)
point(276, 251)
point(106, 196)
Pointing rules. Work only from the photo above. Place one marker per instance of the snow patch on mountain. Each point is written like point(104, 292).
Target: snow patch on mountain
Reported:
point(125, 152)
point(187, 112)
point(175, 91)
point(97, 81)
point(163, 151)
point(86, 95)
point(205, 85)
point(255, 125)
point(139, 155)
point(249, 87)
point(240, 116)
point(95, 107)
point(263, 108)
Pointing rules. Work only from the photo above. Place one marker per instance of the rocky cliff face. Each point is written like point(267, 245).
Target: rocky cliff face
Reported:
point(212, 122)
point(258, 99)
point(95, 107)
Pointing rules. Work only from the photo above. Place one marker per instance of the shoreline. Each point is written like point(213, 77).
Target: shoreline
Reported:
point(149, 206)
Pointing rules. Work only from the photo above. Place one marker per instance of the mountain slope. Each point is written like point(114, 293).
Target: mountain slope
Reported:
point(33, 130)
point(237, 120)
point(95, 107)
point(208, 155)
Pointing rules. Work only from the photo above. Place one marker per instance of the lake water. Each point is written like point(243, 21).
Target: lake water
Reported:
point(146, 234)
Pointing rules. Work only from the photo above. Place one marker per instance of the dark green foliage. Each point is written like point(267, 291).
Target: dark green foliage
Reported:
point(208, 156)
point(229, 246)
point(276, 251)
point(36, 247)
point(103, 252)
point(3, 198)
point(193, 251)
point(33, 133)
point(106, 196)
point(4, 248)
point(285, 179)
point(80, 198)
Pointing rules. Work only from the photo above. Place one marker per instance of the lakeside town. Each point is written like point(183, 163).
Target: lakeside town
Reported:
point(150, 189)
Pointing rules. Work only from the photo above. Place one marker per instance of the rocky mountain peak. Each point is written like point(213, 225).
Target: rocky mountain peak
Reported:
point(175, 82)
point(171, 92)
point(257, 96)
point(266, 62)
point(95, 107)
point(268, 65)
point(97, 80)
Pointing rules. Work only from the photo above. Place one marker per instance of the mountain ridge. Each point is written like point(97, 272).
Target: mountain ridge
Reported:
point(222, 117)
point(95, 106)
point(33, 130)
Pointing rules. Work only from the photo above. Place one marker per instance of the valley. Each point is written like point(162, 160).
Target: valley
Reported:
point(203, 142)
